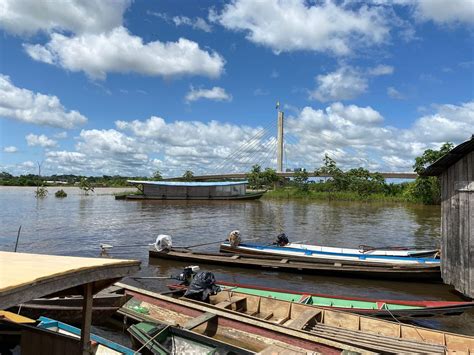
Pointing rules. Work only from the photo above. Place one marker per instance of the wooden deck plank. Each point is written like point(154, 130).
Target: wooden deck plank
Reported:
point(303, 319)
point(203, 318)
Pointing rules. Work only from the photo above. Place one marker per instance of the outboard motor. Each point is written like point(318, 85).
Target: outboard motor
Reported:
point(202, 286)
point(282, 240)
point(187, 276)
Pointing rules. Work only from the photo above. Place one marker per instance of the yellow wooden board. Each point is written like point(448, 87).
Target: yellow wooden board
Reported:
point(16, 318)
point(21, 269)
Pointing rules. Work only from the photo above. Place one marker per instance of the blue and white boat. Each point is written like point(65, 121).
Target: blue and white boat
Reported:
point(100, 346)
point(333, 254)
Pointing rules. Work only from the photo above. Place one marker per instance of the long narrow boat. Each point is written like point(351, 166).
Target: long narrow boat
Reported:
point(421, 272)
point(99, 345)
point(367, 306)
point(362, 334)
point(254, 335)
point(69, 309)
point(153, 338)
point(325, 256)
point(368, 250)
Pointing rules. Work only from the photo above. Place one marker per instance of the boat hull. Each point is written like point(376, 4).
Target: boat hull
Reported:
point(383, 308)
point(328, 257)
point(69, 309)
point(403, 273)
point(248, 196)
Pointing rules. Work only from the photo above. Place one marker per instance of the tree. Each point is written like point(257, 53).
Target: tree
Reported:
point(188, 175)
point(157, 175)
point(427, 188)
point(254, 177)
point(301, 179)
point(85, 186)
point(41, 192)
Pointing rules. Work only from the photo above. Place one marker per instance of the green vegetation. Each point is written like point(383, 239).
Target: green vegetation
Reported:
point(188, 175)
point(157, 175)
point(86, 186)
point(265, 179)
point(359, 184)
point(60, 193)
point(41, 192)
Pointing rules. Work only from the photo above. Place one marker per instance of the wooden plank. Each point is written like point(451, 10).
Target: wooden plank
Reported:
point(283, 261)
point(85, 342)
point(303, 319)
point(203, 318)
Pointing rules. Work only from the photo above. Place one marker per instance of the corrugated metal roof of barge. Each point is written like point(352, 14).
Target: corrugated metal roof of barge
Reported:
point(189, 183)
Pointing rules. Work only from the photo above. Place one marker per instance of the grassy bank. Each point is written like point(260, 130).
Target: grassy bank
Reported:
point(296, 193)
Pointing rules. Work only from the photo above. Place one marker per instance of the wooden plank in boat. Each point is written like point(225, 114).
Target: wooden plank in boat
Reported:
point(235, 256)
point(225, 304)
point(203, 318)
point(303, 319)
point(281, 350)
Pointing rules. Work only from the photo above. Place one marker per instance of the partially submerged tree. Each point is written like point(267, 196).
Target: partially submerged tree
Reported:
point(86, 186)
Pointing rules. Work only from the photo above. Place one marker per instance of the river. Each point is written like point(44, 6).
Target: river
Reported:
point(78, 224)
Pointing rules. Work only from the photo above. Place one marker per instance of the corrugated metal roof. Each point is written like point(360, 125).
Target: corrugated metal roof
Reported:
point(189, 183)
point(449, 159)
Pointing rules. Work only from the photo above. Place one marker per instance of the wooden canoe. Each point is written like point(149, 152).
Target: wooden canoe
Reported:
point(315, 255)
point(249, 333)
point(69, 309)
point(153, 338)
point(392, 272)
point(308, 322)
point(360, 305)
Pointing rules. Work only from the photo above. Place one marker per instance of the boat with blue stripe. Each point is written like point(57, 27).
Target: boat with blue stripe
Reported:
point(329, 254)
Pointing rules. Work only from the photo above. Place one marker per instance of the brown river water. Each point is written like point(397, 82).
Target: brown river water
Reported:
point(78, 224)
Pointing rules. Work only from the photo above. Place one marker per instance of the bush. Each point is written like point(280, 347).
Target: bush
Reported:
point(60, 193)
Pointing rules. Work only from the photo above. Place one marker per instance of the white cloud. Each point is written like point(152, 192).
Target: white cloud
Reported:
point(353, 135)
point(36, 108)
point(345, 83)
point(10, 149)
point(290, 25)
point(214, 94)
point(357, 136)
point(61, 135)
point(197, 23)
point(117, 51)
point(394, 93)
point(445, 12)
point(34, 140)
point(381, 70)
point(26, 17)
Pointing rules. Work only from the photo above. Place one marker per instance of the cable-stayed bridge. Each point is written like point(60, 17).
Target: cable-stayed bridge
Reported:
point(264, 149)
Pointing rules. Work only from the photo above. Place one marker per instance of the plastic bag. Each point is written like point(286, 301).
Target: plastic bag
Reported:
point(202, 286)
point(163, 242)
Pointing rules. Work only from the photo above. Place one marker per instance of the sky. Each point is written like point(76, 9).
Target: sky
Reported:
point(106, 87)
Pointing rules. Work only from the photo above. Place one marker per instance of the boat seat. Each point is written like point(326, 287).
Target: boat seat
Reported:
point(303, 319)
point(203, 318)
point(226, 304)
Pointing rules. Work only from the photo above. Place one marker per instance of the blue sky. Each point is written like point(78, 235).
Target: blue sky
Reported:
point(130, 87)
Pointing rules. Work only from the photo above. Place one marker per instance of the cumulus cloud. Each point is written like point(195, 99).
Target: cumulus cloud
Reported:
point(10, 149)
point(36, 108)
point(346, 82)
point(353, 135)
point(343, 84)
point(357, 135)
point(290, 25)
point(26, 17)
point(34, 140)
point(445, 12)
point(214, 94)
point(118, 51)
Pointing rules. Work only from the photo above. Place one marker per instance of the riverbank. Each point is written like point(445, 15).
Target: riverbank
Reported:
point(286, 193)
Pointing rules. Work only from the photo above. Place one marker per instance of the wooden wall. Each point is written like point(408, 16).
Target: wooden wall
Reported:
point(457, 225)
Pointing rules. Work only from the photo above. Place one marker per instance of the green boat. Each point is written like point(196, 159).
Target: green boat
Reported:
point(367, 306)
point(160, 339)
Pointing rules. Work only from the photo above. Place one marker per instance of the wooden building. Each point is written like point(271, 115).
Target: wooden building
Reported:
point(184, 190)
point(456, 173)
